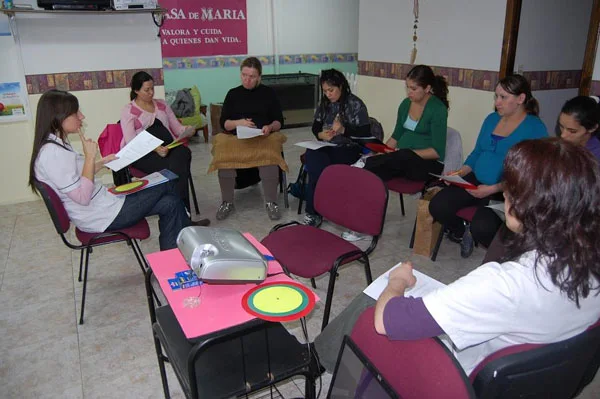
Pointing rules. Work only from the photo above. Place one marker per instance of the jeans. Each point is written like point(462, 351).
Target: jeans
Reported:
point(161, 200)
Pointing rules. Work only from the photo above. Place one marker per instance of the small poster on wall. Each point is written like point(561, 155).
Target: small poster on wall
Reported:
point(12, 102)
point(204, 28)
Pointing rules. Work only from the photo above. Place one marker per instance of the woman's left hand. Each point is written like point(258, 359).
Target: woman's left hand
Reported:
point(266, 130)
point(337, 127)
point(482, 191)
point(162, 151)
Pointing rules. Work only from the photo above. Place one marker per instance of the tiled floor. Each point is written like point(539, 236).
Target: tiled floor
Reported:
point(45, 353)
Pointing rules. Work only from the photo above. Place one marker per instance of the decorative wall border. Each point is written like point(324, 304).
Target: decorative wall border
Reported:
point(90, 80)
point(458, 77)
point(236, 60)
point(595, 91)
point(474, 78)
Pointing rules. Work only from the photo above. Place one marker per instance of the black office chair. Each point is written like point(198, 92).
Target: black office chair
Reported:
point(558, 370)
point(231, 362)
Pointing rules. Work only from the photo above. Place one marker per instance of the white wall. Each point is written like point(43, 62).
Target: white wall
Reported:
point(552, 35)
point(596, 73)
point(457, 33)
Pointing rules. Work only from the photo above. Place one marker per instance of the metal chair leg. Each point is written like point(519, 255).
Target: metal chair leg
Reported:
point(194, 195)
point(368, 270)
point(437, 245)
point(412, 237)
point(402, 204)
point(302, 179)
point(80, 264)
point(161, 366)
point(85, 275)
point(286, 201)
point(327, 310)
point(313, 283)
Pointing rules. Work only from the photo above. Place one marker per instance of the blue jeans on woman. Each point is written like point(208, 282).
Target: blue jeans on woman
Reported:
point(161, 200)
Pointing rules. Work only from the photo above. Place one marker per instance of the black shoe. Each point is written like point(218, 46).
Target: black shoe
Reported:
point(467, 244)
point(201, 222)
point(454, 237)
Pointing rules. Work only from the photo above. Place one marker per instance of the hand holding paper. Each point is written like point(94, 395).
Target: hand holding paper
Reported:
point(457, 181)
point(244, 132)
point(141, 145)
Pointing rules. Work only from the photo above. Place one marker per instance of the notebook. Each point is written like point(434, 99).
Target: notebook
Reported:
point(355, 377)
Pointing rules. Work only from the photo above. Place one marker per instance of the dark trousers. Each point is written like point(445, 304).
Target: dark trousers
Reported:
point(178, 161)
point(161, 200)
point(318, 160)
point(451, 199)
point(403, 163)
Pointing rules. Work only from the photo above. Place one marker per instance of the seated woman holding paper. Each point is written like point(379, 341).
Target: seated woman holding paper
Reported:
point(420, 132)
point(71, 175)
point(155, 116)
point(255, 106)
point(515, 120)
point(340, 116)
point(547, 287)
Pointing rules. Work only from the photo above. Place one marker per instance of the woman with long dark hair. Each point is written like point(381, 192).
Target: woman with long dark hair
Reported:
point(546, 287)
point(71, 175)
point(339, 116)
point(579, 122)
point(515, 120)
point(420, 132)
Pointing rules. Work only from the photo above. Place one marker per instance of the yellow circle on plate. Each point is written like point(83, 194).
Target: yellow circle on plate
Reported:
point(277, 299)
point(129, 186)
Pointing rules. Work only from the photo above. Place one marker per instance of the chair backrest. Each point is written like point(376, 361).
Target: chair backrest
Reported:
point(422, 368)
point(57, 210)
point(109, 141)
point(454, 155)
point(353, 198)
point(554, 370)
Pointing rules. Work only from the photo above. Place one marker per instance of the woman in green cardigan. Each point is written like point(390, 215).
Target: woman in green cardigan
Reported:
point(420, 132)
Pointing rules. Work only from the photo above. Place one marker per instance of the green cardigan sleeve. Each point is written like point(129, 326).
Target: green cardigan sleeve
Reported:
point(400, 119)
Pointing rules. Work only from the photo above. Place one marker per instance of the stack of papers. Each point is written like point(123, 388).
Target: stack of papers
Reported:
point(314, 144)
point(244, 132)
point(141, 145)
point(156, 178)
point(424, 285)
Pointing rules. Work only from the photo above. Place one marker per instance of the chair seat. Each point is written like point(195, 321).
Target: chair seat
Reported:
point(138, 231)
point(467, 213)
point(404, 186)
point(308, 251)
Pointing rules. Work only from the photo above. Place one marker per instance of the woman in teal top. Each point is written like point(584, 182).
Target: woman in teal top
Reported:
point(420, 132)
point(515, 120)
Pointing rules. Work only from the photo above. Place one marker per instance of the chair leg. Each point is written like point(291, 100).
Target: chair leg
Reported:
point(283, 185)
point(302, 179)
point(402, 204)
point(205, 133)
point(85, 274)
point(313, 283)
point(310, 387)
point(161, 366)
point(437, 244)
point(368, 270)
point(412, 236)
point(80, 264)
point(194, 195)
point(332, 276)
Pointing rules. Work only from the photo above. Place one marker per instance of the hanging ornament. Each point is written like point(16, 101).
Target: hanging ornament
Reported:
point(413, 53)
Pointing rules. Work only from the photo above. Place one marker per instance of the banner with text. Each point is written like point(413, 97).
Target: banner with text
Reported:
point(195, 28)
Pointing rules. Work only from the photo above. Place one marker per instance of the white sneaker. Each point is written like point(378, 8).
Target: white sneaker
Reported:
point(353, 236)
point(359, 164)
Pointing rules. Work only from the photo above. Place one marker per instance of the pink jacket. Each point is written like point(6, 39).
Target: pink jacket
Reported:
point(134, 120)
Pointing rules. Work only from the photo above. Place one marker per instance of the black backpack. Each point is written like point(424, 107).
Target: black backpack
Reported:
point(183, 106)
point(376, 129)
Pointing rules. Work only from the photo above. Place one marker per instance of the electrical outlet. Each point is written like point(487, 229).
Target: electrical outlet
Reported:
point(520, 69)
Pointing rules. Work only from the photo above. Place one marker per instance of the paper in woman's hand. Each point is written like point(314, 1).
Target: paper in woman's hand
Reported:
point(457, 181)
point(244, 132)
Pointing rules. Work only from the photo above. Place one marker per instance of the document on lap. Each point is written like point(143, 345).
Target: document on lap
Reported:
point(314, 145)
point(244, 132)
point(424, 285)
point(457, 181)
point(141, 145)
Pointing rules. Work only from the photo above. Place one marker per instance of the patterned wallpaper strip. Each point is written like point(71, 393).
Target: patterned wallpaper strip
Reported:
point(473, 78)
point(236, 60)
point(92, 80)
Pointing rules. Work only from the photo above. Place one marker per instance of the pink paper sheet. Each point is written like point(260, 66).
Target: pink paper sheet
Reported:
point(220, 305)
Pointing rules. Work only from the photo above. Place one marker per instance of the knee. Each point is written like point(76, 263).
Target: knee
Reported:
point(437, 206)
point(484, 226)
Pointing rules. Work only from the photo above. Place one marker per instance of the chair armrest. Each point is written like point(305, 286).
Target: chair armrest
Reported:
point(282, 225)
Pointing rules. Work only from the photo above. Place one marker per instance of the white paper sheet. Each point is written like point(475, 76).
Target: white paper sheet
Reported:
point(244, 132)
point(314, 145)
point(141, 145)
point(459, 181)
point(424, 285)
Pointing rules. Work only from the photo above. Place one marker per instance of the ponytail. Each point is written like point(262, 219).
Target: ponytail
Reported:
point(532, 106)
point(440, 89)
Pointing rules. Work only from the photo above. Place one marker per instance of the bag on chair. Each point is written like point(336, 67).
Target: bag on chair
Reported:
point(183, 106)
point(427, 230)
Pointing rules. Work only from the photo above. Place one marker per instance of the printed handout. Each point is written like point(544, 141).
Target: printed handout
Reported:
point(244, 132)
point(424, 285)
point(141, 145)
point(314, 145)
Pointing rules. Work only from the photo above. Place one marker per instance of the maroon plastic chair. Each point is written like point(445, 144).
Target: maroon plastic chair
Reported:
point(536, 371)
point(402, 186)
point(350, 197)
point(416, 369)
point(62, 223)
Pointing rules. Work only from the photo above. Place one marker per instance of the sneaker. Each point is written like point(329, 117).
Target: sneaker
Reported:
point(467, 244)
point(311, 219)
point(454, 237)
point(225, 210)
point(201, 222)
point(359, 164)
point(273, 211)
point(353, 236)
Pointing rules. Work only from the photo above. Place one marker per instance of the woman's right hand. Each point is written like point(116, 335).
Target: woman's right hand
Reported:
point(245, 122)
point(162, 151)
point(90, 147)
point(326, 135)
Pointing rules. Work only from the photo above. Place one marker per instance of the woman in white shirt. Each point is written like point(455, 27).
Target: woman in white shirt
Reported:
point(71, 175)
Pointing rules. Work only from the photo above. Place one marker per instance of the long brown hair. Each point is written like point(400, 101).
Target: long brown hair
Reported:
point(517, 85)
point(53, 108)
point(554, 189)
point(424, 76)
